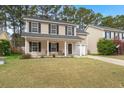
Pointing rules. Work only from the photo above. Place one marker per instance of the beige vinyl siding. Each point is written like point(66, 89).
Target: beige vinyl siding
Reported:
point(93, 37)
point(61, 29)
point(44, 28)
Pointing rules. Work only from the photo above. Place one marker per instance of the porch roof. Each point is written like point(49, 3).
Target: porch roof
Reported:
point(50, 36)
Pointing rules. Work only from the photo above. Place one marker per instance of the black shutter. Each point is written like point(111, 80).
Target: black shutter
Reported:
point(49, 28)
point(30, 47)
point(110, 34)
point(49, 47)
point(39, 46)
point(29, 26)
point(65, 30)
point(39, 28)
point(57, 47)
point(57, 29)
point(73, 30)
point(122, 36)
point(114, 35)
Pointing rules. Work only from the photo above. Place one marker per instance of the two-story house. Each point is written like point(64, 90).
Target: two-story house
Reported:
point(97, 32)
point(47, 37)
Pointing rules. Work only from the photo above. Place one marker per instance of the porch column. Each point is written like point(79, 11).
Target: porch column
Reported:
point(47, 47)
point(80, 49)
point(65, 50)
point(26, 46)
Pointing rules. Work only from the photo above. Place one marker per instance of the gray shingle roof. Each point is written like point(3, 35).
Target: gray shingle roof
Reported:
point(47, 19)
point(81, 31)
point(106, 28)
point(49, 36)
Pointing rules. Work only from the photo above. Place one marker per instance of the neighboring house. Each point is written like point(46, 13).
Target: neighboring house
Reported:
point(3, 33)
point(47, 37)
point(97, 32)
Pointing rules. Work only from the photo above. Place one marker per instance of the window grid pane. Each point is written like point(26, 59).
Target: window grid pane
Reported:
point(34, 27)
point(34, 46)
point(53, 29)
point(69, 30)
point(53, 47)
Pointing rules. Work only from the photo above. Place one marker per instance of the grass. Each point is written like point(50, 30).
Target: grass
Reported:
point(60, 72)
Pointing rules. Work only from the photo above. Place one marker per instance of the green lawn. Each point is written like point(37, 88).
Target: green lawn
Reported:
point(60, 72)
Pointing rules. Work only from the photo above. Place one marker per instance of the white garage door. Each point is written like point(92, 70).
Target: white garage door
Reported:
point(79, 50)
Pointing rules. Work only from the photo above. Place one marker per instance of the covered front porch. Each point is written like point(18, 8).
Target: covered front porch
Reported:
point(38, 47)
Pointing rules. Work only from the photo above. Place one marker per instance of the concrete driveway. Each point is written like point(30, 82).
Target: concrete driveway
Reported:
point(108, 60)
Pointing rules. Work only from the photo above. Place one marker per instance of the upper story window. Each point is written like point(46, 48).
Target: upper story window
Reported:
point(53, 29)
point(69, 30)
point(115, 35)
point(34, 27)
point(108, 35)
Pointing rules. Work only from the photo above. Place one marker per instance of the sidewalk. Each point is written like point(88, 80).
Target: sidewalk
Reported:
point(108, 60)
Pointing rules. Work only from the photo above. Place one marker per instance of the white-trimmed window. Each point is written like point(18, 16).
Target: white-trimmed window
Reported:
point(116, 35)
point(53, 47)
point(34, 46)
point(69, 30)
point(34, 27)
point(53, 29)
point(107, 35)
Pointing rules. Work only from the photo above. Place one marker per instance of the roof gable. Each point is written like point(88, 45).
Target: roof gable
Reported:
point(105, 28)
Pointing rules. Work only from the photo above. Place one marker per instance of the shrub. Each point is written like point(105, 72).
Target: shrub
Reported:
point(42, 56)
point(54, 55)
point(25, 56)
point(16, 50)
point(106, 47)
point(5, 47)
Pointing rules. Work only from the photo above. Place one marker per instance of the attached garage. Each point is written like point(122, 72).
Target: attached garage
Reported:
point(80, 49)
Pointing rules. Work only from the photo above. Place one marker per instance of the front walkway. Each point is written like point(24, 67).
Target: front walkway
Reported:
point(109, 60)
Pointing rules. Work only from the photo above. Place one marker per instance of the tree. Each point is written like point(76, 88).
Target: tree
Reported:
point(44, 10)
point(97, 19)
point(85, 16)
point(108, 21)
point(55, 11)
point(3, 17)
point(68, 14)
point(106, 47)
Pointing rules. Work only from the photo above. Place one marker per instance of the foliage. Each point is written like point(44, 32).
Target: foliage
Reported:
point(12, 16)
point(16, 50)
point(19, 41)
point(25, 56)
point(106, 47)
point(4, 47)
point(42, 56)
point(54, 55)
